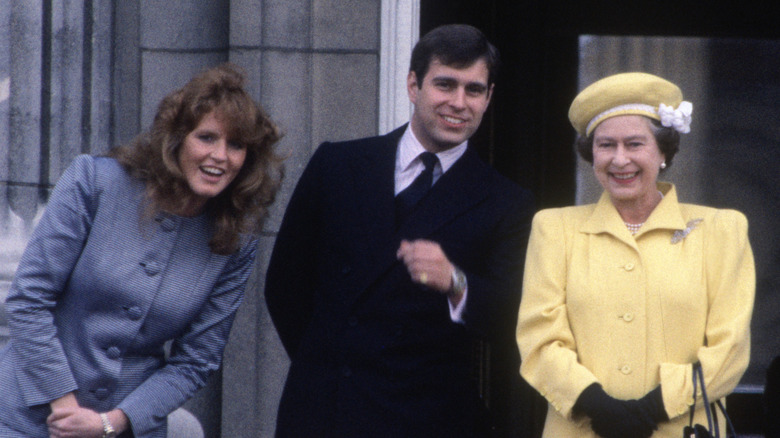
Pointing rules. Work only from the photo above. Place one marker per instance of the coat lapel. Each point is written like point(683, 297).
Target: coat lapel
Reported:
point(374, 189)
point(458, 190)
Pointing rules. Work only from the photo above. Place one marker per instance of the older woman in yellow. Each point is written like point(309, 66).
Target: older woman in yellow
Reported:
point(621, 298)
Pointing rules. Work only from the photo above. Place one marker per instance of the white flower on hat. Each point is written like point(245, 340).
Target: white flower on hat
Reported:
point(679, 119)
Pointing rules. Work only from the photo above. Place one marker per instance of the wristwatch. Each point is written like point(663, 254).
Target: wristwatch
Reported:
point(459, 283)
point(108, 429)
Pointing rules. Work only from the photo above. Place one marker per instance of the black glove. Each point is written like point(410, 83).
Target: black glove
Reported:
point(651, 406)
point(613, 418)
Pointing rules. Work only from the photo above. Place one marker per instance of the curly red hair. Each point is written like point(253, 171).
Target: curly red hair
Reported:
point(153, 155)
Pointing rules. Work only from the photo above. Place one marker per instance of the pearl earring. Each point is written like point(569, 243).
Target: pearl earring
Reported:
point(663, 165)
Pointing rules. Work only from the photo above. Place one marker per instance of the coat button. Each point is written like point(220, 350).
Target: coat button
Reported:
point(625, 369)
point(101, 393)
point(151, 268)
point(168, 224)
point(113, 353)
point(135, 313)
point(628, 317)
point(629, 266)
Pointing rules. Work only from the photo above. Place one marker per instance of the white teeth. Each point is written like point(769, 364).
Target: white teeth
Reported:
point(212, 171)
point(452, 120)
point(624, 175)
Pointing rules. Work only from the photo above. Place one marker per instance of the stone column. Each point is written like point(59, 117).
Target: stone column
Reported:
point(177, 40)
point(55, 71)
point(24, 141)
point(400, 32)
point(314, 66)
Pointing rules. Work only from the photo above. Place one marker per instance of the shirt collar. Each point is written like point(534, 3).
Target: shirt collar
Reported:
point(409, 147)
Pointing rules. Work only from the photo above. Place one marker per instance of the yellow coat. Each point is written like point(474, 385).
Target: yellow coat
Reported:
point(630, 312)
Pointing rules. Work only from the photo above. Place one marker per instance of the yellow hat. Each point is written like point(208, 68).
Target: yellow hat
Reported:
point(630, 93)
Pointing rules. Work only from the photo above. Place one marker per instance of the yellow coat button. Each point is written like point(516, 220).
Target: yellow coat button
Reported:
point(629, 266)
point(628, 317)
point(625, 369)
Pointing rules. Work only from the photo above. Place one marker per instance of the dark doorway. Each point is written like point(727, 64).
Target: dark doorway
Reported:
point(525, 135)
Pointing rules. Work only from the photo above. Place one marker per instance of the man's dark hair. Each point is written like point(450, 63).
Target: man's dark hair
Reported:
point(454, 45)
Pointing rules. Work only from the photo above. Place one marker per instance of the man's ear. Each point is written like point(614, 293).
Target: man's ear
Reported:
point(411, 86)
point(490, 92)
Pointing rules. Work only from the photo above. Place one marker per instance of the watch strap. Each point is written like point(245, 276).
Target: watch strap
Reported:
point(108, 429)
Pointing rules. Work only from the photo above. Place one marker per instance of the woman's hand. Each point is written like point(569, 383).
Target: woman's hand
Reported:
point(74, 422)
point(614, 418)
point(69, 420)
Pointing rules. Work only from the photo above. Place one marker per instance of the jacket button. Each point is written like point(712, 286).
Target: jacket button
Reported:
point(101, 393)
point(113, 353)
point(151, 268)
point(625, 369)
point(628, 317)
point(134, 313)
point(629, 266)
point(168, 224)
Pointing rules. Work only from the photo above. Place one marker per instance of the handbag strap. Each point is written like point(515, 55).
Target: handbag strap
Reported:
point(698, 376)
point(709, 408)
point(693, 406)
point(729, 425)
point(712, 426)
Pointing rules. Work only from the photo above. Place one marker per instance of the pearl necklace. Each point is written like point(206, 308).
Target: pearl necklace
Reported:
point(634, 228)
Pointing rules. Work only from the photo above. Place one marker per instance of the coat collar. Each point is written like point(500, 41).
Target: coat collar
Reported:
point(606, 219)
point(457, 190)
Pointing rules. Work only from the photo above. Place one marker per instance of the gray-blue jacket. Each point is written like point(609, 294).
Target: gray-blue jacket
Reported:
point(100, 289)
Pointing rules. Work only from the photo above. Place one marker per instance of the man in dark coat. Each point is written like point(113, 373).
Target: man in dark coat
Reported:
point(396, 256)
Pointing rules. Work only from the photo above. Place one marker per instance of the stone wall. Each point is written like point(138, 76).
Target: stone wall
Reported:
point(78, 76)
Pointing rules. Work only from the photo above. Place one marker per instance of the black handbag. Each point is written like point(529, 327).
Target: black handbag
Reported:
point(712, 430)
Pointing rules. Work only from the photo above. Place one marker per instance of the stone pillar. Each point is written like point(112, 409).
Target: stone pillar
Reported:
point(24, 140)
point(7, 262)
point(400, 32)
point(54, 73)
point(177, 40)
point(313, 64)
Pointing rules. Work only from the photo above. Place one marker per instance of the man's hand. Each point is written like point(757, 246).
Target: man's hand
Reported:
point(427, 264)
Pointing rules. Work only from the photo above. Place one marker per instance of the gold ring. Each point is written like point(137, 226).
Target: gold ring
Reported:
point(423, 278)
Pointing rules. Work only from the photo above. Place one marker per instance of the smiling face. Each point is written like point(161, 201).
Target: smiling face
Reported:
point(449, 104)
point(209, 160)
point(626, 160)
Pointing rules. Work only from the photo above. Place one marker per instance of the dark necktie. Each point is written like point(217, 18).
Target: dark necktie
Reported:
point(410, 196)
